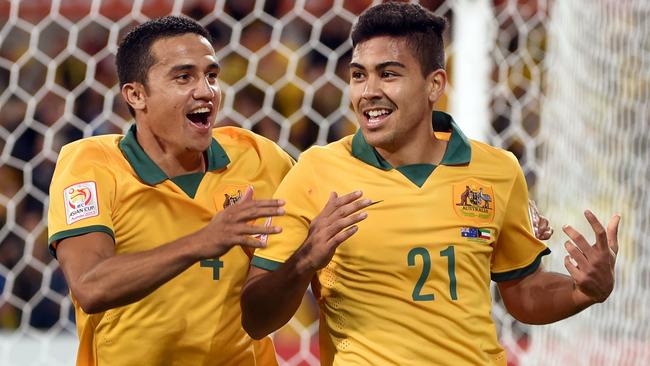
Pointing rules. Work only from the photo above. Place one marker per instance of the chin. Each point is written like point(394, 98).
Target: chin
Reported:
point(374, 139)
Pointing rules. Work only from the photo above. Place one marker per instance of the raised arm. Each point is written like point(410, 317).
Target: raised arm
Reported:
point(545, 297)
point(270, 298)
point(99, 279)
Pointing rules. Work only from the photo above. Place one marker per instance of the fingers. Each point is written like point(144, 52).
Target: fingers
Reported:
point(534, 212)
point(249, 241)
point(543, 231)
point(578, 256)
point(259, 229)
point(330, 206)
point(578, 240)
point(573, 270)
point(344, 235)
point(253, 210)
point(335, 202)
point(599, 230)
point(612, 233)
point(348, 221)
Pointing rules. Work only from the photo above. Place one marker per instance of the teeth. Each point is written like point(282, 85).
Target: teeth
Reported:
point(377, 112)
point(200, 110)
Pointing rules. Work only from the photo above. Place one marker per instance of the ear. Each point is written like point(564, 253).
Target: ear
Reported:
point(134, 94)
point(436, 84)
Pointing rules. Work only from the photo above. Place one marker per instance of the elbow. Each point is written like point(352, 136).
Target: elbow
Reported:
point(521, 317)
point(90, 301)
point(249, 321)
point(253, 332)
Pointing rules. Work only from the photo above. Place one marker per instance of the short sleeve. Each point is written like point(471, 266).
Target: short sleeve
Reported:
point(518, 252)
point(302, 198)
point(81, 193)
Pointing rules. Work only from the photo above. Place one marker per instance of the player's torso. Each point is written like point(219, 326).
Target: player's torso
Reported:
point(416, 275)
point(194, 319)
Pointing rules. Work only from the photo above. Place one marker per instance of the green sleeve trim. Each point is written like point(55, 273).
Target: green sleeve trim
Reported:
point(266, 264)
point(76, 232)
point(520, 272)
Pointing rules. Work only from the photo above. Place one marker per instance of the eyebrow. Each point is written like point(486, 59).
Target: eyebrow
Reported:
point(186, 67)
point(380, 66)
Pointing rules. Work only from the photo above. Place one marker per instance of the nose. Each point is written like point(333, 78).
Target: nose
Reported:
point(205, 90)
point(371, 89)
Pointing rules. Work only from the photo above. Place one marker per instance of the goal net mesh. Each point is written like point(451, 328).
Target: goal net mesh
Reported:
point(568, 95)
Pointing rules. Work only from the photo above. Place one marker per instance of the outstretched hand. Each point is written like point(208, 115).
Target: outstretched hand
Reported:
point(541, 225)
point(334, 225)
point(592, 266)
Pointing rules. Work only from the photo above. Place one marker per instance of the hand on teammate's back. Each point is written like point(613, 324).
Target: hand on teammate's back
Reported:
point(541, 226)
point(235, 225)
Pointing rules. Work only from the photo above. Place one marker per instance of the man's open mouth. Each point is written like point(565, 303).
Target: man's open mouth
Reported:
point(200, 116)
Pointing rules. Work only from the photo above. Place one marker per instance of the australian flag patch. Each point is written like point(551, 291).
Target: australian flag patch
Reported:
point(469, 232)
point(474, 232)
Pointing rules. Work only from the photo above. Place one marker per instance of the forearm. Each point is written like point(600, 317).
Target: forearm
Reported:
point(544, 297)
point(269, 299)
point(125, 278)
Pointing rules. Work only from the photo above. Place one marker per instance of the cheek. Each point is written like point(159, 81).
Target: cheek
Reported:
point(217, 95)
point(355, 95)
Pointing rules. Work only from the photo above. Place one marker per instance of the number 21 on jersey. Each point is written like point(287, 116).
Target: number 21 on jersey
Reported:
point(417, 294)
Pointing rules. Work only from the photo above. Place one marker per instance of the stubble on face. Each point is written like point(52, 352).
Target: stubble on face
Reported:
point(388, 92)
point(182, 63)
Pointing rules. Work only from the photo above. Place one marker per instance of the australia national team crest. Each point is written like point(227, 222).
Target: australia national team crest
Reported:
point(230, 195)
point(80, 202)
point(474, 201)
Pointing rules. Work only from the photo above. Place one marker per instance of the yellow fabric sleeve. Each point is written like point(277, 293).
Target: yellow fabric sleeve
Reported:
point(517, 252)
point(82, 166)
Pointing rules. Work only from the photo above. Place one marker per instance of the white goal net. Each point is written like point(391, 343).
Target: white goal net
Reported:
point(564, 85)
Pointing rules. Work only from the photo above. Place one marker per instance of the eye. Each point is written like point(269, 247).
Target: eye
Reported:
point(212, 76)
point(356, 75)
point(388, 74)
point(183, 77)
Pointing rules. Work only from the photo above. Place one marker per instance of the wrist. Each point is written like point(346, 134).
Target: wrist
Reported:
point(580, 299)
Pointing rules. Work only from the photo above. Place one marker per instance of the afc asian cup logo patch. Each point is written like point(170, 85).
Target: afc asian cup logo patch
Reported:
point(474, 201)
point(80, 202)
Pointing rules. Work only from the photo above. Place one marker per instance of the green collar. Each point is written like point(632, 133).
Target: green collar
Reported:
point(459, 150)
point(151, 173)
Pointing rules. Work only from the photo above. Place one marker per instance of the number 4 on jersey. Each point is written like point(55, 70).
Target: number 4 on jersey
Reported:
point(215, 264)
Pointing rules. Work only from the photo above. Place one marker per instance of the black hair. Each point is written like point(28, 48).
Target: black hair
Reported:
point(134, 56)
point(421, 29)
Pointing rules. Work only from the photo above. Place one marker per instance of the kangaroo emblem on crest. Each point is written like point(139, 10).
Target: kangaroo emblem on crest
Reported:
point(231, 200)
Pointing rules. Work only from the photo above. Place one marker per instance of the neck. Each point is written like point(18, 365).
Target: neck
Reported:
point(424, 148)
point(172, 163)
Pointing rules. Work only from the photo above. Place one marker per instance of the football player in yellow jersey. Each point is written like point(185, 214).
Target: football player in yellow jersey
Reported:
point(153, 229)
point(402, 271)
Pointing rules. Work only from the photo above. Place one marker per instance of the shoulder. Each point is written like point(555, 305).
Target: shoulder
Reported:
point(255, 152)
point(483, 153)
point(336, 150)
point(238, 140)
point(91, 148)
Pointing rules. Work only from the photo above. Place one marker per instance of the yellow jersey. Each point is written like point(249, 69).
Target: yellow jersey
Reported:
point(412, 286)
point(109, 184)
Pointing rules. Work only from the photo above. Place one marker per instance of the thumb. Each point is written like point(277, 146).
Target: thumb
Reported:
point(248, 195)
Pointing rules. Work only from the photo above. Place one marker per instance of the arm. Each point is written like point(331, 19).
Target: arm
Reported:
point(269, 299)
point(546, 297)
point(100, 280)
